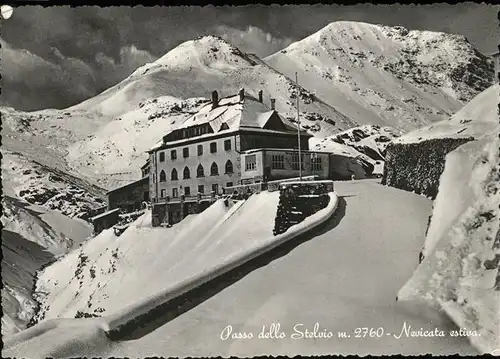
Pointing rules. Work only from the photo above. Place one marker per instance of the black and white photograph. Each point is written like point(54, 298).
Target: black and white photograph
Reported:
point(250, 180)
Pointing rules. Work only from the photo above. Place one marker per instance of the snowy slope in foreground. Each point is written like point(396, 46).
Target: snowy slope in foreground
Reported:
point(109, 273)
point(476, 119)
point(388, 76)
point(460, 272)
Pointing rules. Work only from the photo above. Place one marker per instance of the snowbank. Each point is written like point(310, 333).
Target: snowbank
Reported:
point(460, 269)
point(107, 274)
point(231, 262)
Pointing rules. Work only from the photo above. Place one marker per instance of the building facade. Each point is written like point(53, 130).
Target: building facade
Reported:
point(192, 164)
point(271, 164)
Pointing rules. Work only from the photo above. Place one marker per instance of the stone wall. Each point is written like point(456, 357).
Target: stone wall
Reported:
point(299, 201)
point(418, 166)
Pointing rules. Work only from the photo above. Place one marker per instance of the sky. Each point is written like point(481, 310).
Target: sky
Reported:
point(58, 56)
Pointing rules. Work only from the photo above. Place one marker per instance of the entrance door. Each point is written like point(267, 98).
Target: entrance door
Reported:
point(267, 173)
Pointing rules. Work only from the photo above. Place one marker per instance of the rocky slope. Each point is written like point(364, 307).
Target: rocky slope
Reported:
point(45, 214)
point(388, 76)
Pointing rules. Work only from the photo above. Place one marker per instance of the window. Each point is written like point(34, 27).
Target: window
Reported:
point(200, 172)
point(213, 147)
point(215, 188)
point(185, 152)
point(200, 150)
point(224, 126)
point(227, 145)
point(173, 175)
point(163, 193)
point(250, 163)
point(175, 193)
point(154, 178)
point(229, 167)
point(278, 162)
point(214, 169)
point(295, 161)
point(229, 184)
point(201, 188)
point(163, 176)
point(186, 174)
point(187, 191)
point(173, 154)
point(162, 156)
point(316, 164)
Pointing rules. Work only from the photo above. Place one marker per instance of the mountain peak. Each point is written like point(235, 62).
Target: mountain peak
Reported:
point(209, 51)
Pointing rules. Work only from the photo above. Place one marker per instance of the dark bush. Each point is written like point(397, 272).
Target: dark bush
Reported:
point(418, 166)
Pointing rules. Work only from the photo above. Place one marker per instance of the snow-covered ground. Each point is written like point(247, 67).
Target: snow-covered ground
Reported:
point(460, 272)
point(344, 277)
point(107, 273)
point(388, 76)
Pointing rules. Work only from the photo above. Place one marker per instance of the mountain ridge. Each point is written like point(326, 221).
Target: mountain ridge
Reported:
point(388, 76)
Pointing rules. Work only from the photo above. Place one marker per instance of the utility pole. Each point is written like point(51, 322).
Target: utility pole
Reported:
point(298, 125)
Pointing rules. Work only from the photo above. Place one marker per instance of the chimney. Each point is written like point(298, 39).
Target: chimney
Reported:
point(260, 96)
point(273, 104)
point(242, 94)
point(215, 99)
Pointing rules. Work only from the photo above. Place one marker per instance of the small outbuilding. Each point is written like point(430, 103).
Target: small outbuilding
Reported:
point(105, 220)
point(129, 197)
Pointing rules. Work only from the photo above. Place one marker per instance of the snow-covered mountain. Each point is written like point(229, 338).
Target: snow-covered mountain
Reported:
point(350, 73)
point(478, 118)
point(388, 76)
point(88, 137)
point(196, 68)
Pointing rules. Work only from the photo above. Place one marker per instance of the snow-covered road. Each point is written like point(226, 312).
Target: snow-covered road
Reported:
point(344, 276)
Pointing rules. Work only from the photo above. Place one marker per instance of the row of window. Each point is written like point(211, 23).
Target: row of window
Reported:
point(187, 190)
point(185, 150)
point(278, 162)
point(200, 172)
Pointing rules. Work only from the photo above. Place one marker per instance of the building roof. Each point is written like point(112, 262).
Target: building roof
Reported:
point(145, 179)
point(145, 164)
point(105, 214)
point(237, 114)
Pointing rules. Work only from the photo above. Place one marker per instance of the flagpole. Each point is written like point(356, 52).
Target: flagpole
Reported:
point(298, 125)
